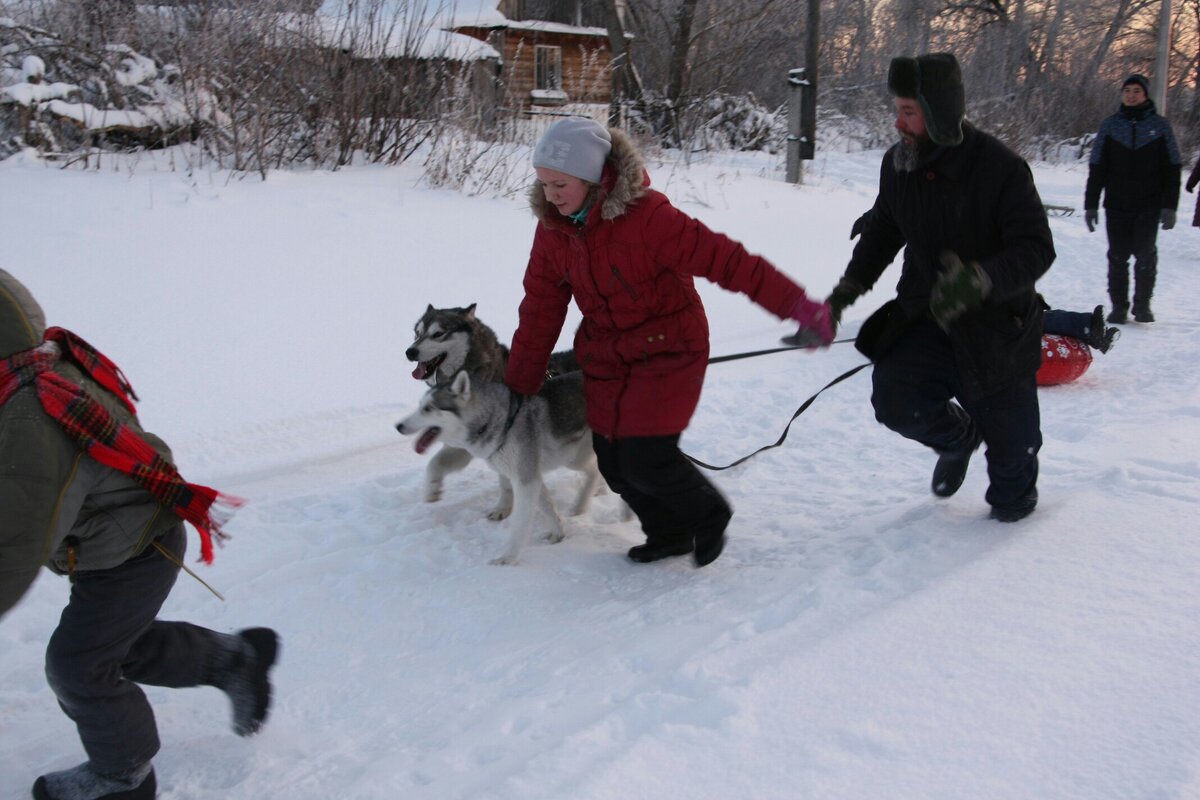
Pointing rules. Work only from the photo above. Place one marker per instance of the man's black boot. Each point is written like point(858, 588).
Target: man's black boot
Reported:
point(650, 551)
point(951, 469)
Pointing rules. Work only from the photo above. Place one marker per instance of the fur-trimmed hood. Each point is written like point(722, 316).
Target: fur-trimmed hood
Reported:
point(625, 180)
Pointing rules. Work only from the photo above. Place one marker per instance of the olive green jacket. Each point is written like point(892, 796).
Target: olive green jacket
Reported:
point(59, 507)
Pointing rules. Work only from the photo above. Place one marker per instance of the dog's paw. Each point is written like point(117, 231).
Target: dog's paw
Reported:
point(554, 537)
point(433, 493)
point(499, 513)
point(506, 560)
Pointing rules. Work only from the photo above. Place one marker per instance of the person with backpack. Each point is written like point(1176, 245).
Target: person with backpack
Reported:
point(85, 491)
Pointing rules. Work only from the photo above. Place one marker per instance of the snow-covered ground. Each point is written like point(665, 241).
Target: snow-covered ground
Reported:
point(858, 639)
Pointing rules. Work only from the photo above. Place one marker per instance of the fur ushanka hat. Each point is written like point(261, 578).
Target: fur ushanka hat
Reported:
point(935, 81)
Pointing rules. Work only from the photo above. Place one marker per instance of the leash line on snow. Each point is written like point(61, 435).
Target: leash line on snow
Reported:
point(788, 427)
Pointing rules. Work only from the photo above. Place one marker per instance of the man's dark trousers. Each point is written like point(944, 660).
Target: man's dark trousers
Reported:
point(672, 500)
point(914, 388)
point(1132, 233)
point(108, 641)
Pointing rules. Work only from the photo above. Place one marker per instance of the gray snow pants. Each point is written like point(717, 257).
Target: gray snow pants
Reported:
point(108, 641)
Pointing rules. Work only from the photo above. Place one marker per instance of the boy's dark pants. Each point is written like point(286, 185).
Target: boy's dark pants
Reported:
point(1132, 233)
point(1076, 324)
point(108, 641)
point(673, 500)
point(913, 386)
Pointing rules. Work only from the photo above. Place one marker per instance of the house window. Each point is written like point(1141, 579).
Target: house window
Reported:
point(547, 64)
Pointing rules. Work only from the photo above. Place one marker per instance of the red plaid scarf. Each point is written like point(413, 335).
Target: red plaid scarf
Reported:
point(107, 440)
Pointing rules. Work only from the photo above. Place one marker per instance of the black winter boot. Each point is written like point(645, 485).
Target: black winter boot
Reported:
point(239, 668)
point(1099, 337)
point(1145, 275)
point(648, 552)
point(1119, 315)
point(708, 550)
point(951, 469)
point(1013, 513)
point(84, 782)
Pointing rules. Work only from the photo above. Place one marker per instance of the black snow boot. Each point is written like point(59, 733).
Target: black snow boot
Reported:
point(239, 667)
point(1119, 315)
point(1099, 337)
point(648, 552)
point(951, 469)
point(1142, 313)
point(708, 549)
point(85, 782)
point(1013, 513)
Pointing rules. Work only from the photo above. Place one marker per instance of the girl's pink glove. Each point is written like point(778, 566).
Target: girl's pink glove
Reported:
point(816, 323)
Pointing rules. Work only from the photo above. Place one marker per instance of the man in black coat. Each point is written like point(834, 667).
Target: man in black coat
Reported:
point(966, 323)
point(1135, 162)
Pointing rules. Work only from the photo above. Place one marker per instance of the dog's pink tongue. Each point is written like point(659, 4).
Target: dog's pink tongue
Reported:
point(420, 372)
point(426, 438)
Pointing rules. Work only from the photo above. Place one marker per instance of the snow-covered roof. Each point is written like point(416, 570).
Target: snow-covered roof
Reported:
point(391, 28)
point(553, 27)
point(442, 13)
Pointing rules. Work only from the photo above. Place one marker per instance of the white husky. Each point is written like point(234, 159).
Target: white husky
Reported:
point(520, 438)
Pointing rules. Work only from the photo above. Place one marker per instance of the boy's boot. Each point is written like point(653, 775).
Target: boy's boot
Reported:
point(239, 666)
point(84, 782)
point(1144, 280)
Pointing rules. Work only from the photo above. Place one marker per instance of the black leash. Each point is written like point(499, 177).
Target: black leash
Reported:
point(799, 411)
point(754, 353)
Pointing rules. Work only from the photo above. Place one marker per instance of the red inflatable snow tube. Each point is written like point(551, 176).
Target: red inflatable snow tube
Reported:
point(1064, 358)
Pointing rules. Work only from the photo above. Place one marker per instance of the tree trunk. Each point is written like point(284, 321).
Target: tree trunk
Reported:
point(677, 70)
point(627, 85)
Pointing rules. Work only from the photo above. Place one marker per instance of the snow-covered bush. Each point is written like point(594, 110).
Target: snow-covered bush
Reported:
point(60, 95)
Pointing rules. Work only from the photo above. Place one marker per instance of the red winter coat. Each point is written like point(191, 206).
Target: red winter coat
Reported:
point(643, 342)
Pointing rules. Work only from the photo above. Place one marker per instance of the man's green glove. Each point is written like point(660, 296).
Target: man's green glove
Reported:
point(958, 289)
point(843, 296)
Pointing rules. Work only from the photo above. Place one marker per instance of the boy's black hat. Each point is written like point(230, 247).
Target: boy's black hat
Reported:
point(1140, 80)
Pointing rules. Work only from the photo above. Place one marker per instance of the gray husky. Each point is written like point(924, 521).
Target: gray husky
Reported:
point(520, 438)
point(447, 341)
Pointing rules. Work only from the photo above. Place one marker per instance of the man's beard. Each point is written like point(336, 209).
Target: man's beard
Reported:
point(908, 157)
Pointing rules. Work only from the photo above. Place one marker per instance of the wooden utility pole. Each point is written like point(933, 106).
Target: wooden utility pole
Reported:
point(802, 100)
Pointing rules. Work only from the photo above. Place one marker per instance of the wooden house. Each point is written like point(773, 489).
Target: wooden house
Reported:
point(553, 53)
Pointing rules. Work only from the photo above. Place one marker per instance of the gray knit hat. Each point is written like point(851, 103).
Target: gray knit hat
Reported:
point(935, 81)
point(574, 146)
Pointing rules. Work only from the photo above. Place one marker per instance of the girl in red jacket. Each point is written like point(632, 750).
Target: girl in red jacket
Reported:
point(629, 257)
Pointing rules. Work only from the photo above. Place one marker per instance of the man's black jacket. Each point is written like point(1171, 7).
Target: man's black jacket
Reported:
point(978, 200)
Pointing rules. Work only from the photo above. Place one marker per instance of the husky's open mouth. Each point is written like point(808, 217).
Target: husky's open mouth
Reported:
point(427, 437)
point(426, 368)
